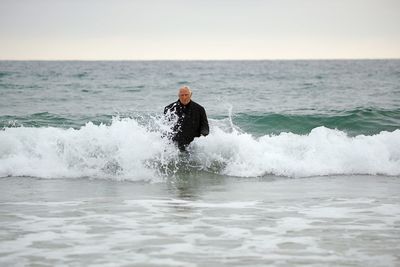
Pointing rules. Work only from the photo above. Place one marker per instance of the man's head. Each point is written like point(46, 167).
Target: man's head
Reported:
point(184, 95)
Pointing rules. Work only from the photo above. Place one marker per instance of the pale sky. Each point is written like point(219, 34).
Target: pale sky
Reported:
point(198, 29)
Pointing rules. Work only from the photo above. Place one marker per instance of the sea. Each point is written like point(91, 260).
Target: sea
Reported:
point(301, 166)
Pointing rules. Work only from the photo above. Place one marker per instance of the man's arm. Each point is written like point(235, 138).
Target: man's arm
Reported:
point(204, 128)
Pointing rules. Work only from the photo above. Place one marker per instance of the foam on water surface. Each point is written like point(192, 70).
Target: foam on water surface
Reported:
point(127, 149)
point(242, 223)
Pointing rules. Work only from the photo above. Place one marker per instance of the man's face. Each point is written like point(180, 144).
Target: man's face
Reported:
point(184, 96)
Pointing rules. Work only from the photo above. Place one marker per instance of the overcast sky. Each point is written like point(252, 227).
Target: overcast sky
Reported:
point(199, 29)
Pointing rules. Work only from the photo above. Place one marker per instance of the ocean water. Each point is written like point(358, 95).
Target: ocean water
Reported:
point(301, 167)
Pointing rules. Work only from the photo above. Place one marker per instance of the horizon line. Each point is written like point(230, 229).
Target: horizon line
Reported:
point(232, 59)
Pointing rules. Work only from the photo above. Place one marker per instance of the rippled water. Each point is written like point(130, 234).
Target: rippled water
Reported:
point(217, 221)
point(76, 89)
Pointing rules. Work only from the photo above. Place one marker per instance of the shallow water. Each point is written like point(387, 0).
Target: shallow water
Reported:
point(197, 221)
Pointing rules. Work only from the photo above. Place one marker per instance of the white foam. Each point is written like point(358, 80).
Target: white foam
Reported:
point(123, 150)
point(322, 152)
point(128, 150)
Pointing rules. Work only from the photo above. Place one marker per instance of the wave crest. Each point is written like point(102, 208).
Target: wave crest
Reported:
point(129, 149)
point(323, 151)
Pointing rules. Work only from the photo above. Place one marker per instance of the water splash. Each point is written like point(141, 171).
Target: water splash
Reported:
point(137, 149)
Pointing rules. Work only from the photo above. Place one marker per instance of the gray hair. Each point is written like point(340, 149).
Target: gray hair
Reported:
point(186, 87)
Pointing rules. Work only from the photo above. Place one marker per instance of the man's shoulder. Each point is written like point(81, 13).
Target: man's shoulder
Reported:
point(173, 104)
point(196, 105)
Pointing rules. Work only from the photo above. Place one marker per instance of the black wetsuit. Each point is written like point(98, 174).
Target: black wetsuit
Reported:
point(191, 122)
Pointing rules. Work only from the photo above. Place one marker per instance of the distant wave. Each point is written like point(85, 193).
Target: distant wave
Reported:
point(353, 122)
point(4, 74)
point(129, 149)
point(46, 119)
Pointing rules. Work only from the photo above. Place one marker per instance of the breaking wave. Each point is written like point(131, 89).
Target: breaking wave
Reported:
point(133, 149)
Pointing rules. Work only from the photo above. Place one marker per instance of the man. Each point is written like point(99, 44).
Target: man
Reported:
point(190, 119)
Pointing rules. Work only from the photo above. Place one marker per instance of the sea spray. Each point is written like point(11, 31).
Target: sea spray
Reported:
point(122, 150)
point(129, 150)
point(323, 151)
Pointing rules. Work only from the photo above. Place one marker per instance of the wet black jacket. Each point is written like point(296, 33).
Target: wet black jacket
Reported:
point(191, 122)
